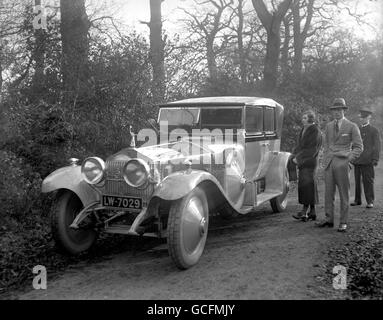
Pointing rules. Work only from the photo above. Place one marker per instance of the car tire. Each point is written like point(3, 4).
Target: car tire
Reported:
point(279, 204)
point(187, 229)
point(72, 241)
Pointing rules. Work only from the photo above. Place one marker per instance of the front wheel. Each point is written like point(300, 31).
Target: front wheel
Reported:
point(279, 204)
point(72, 241)
point(187, 228)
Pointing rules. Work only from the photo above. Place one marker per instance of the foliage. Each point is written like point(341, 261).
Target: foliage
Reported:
point(362, 256)
point(19, 187)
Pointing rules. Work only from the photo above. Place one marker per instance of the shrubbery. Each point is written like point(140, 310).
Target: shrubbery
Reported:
point(362, 255)
point(20, 187)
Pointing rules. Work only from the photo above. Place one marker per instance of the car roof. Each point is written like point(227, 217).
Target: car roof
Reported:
point(224, 101)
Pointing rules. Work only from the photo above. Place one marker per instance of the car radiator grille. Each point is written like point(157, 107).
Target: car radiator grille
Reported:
point(116, 185)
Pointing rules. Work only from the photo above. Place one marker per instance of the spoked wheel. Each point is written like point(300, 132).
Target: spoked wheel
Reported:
point(187, 228)
point(279, 204)
point(73, 241)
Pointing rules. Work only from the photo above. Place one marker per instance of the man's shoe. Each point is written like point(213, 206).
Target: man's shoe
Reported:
point(342, 227)
point(324, 223)
point(369, 205)
point(355, 203)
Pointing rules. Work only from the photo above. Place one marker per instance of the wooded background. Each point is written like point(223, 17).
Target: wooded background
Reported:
point(71, 87)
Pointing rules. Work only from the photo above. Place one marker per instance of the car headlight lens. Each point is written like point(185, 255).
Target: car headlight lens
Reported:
point(136, 172)
point(92, 170)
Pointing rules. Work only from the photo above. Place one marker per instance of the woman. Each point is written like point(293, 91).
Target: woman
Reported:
point(305, 156)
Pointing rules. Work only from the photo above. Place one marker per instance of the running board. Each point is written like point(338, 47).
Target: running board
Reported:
point(127, 230)
point(265, 196)
point(261, 198)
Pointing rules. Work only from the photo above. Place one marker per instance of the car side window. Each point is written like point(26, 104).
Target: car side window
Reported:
point(269, 120)
point(254, 120)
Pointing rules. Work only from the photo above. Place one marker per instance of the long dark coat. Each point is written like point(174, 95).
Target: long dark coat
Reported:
point(371, 145)
point(306, 154)
point(308, 146)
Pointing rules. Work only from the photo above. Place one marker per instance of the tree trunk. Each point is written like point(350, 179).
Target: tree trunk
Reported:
point(39, 60)
point(299, 34)
point(157, 51)
point(241, 52)
point(75, 48)
point(271, 61)
point(298, 45)
point(211, 63)
point(285, 49)
point(1, 71)
point(272, 25)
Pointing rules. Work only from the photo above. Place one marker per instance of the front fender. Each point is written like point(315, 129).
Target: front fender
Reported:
point(275, 176)
point(180, 183)
point(70, 178)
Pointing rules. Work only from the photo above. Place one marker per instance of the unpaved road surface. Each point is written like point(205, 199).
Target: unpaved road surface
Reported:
point(258, 256)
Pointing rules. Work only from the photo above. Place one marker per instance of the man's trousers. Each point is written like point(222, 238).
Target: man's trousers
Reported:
point(337, 174)
point(366, 172)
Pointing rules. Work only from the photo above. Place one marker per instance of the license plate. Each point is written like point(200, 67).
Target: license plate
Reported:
point(122, 202)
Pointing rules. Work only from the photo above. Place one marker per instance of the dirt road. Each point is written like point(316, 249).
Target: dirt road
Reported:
point(258, 256)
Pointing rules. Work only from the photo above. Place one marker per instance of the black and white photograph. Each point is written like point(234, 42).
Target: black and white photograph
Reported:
point(187, 156)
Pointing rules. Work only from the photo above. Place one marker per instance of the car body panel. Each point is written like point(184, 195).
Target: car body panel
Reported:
point(70, 178)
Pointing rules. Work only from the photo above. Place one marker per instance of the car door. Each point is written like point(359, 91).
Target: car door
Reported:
point(255, 146)
point(261, 140)
point(270, 142)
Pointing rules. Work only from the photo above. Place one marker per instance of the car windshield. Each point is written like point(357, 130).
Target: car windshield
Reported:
point(179, 116)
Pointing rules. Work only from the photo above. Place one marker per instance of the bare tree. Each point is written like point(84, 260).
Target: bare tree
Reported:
point(241, 50)
point(285, 54)
point(300, 34)
point(75, 47)
point(272, 23)
point(157, 56)
point(157, 50)
point(38, 55)
point(11, 21)
point(1, 69)
point(207, 27)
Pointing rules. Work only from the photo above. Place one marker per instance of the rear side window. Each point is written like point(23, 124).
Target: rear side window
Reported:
point(221, 117)
point(254, 119)
point(269, 120)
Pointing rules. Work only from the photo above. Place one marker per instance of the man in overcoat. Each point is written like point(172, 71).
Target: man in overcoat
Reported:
point(364, 164)
point(342, 145)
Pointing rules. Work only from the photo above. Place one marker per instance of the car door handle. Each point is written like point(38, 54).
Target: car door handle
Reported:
point(265, 144)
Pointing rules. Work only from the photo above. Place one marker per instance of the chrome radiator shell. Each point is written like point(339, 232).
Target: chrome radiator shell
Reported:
point(116, 185)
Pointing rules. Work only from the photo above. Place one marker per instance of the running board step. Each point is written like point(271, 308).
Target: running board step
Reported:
point(261, 198)
point(265, 196)
point(126, 229)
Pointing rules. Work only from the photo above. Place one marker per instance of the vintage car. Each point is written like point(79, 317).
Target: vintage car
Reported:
point(215, 155)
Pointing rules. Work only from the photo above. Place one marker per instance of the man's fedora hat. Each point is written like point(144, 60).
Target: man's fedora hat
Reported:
point(365, 111)
point(339, 103)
